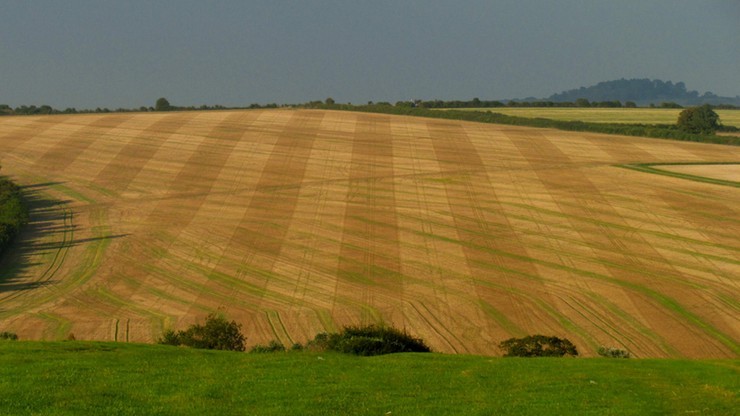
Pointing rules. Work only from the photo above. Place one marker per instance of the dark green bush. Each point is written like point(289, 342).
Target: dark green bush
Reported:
point(13, 213)
point(538, 346)
point(610, 352)
point(273, 346)
point(368, 340)
point(216, 334)
point(8, 336)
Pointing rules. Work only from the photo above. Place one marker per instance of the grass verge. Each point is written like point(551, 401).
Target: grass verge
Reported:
point(66, 378)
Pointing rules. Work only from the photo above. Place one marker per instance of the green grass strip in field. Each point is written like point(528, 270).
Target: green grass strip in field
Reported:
point(649, 168)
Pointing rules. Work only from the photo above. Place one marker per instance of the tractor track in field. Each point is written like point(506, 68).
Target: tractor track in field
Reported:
point(295, 222)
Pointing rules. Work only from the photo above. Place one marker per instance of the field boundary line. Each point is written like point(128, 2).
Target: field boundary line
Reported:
point(648, 168)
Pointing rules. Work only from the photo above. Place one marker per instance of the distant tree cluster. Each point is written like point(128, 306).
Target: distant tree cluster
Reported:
point(162, 104)
point(642, 91)
point(610, 94)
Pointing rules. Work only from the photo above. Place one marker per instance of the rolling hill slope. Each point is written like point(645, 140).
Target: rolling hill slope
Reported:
point(295, 222)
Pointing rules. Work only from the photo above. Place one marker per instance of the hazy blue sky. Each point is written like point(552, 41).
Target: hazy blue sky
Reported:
point(115, 53)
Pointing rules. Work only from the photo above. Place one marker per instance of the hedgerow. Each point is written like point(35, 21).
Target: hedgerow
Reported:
point(8, 336)
point(538, 346)
point(368, 340)
point(658, 131)
point(216, 334)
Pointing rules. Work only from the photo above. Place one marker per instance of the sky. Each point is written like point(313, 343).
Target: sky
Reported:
point(126, 54)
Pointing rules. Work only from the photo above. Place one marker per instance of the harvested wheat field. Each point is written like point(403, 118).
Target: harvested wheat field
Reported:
point(294, 222)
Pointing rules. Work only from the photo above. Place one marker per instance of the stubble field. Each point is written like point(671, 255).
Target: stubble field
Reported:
point(294, 222)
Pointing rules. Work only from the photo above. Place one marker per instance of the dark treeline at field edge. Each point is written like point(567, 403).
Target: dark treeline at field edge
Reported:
point(417, 103)
point(6, 110)
point(13, 213)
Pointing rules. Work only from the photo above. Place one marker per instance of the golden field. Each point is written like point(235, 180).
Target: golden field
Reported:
point(294, 222)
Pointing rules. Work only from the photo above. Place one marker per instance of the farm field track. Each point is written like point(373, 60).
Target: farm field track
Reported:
point(294, 222)
point(608, 115)
point(726, 173)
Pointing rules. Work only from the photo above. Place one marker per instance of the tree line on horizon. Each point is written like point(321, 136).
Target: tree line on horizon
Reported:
point(644, 92)
point(627, 93)
point(7, 110)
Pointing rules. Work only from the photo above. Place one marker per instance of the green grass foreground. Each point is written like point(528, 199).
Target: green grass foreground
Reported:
point(64, 378)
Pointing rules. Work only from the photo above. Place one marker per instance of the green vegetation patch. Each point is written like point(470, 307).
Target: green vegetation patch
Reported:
point(67, 378)
point(13, 213)
point(650, 168)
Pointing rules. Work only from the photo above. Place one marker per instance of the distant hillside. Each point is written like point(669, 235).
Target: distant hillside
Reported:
point(643, 92)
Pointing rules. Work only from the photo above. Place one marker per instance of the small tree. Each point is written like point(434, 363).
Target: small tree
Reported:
point(538, 346)
point(329, 101)
point(162, 105)
point(698, 120)
point(216, 334)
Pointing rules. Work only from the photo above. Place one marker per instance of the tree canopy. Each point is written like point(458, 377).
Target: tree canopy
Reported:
point(698, 120)
point(162, 105)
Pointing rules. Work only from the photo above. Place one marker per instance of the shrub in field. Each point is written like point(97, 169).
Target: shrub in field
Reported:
point(216, 334)
point(698, 120)
point(8, 336)
point(273, 346)
point(610, 352)
point(368, 340)
point(538, 346)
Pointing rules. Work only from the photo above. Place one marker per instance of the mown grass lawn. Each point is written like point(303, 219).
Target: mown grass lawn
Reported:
point(67, 378)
